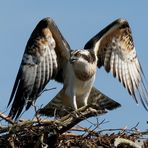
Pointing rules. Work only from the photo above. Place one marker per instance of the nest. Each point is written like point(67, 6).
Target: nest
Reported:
point(63, 133)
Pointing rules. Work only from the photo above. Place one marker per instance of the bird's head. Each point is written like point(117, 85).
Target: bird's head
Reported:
point(82, 57)
point(84, 62)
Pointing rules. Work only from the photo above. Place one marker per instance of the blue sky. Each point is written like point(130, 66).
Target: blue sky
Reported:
point(78, 22)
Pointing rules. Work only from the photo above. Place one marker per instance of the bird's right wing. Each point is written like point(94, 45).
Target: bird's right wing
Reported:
point(116, 52)
point(45, 55)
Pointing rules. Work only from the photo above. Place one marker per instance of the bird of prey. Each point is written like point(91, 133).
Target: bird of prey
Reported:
point(48, 56)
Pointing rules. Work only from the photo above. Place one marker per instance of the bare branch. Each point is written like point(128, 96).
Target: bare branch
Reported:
point(44, 132)
point(6, 118)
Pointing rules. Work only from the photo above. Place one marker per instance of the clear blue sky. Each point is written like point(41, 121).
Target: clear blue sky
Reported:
point(78, 22)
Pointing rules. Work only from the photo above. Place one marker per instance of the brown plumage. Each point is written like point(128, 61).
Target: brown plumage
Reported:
point(48, 56)
point(116, 52)
point(41, 62)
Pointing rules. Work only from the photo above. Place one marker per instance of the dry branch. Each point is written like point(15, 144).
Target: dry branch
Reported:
point(17, 134)
point(39, 133)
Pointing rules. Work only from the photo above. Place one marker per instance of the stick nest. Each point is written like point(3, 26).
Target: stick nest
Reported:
point(65, 133)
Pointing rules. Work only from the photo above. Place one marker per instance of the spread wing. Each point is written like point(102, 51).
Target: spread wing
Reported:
point(43, 59)
point(116, 52)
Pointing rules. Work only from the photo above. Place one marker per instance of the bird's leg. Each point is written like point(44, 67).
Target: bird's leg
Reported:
point(82, 100)
point(71, 95)
point(85, 101)
point(74, 103)
point(85, 98)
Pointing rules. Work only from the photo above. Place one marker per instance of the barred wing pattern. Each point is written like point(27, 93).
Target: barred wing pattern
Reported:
point(42, 61)
point(116, 52)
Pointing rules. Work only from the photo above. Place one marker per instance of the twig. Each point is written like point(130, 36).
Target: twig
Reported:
point(135, 127)
point(70, 134)
point(6, 118)
point(140, 133)
point(72, 119)
point(114, 129)
point(44, 130)
point(3, 129)
point(48, 89)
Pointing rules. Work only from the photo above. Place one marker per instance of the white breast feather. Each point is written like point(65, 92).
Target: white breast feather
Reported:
point(75, 88)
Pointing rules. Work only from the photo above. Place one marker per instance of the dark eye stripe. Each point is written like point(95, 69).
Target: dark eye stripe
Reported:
point(90, 58)
point(87, 58)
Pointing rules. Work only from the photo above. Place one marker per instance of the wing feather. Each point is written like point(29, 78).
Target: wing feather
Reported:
point(107, 60)
point(129, 81)
point(17, 81)
point(47, 64)
point(43, 75)
point(132, 76)
point(112, 64)
point(116, 66)
point(120, 71)
point(124, 72)
point(51, 65)
point(36, 85)
point(120, 58)
point(43, 59)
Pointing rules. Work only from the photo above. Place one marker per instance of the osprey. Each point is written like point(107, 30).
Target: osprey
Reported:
point(48, 56)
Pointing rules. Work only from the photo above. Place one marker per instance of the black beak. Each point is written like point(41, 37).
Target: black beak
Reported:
point(73, 59)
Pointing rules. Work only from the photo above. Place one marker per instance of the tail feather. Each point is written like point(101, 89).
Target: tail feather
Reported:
point(97, 97)
point(60, 106)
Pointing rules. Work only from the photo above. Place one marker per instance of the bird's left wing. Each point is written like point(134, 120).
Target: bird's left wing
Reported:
point(43, 59)
point(116, 52)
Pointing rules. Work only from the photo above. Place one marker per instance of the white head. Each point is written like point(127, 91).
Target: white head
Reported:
point(84, 62)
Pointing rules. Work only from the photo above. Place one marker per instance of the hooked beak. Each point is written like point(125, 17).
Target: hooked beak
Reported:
point(73, 59)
